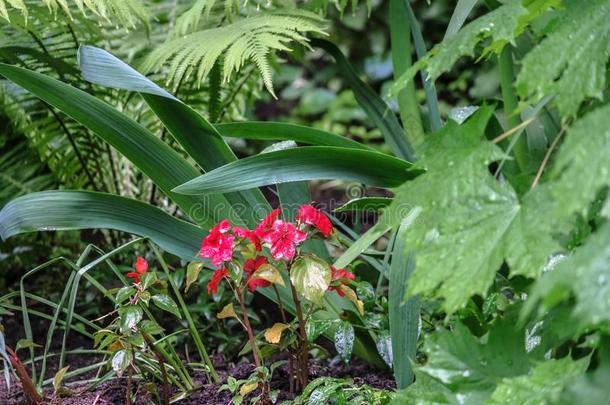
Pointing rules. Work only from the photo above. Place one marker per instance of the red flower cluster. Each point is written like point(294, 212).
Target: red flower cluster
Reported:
point(281, 237)
point(311, 216)
point(141, 267)
point(218, 245)
point(340, 277)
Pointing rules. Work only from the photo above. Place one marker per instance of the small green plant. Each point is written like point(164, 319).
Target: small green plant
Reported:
point(130, 337)
point(270, 256)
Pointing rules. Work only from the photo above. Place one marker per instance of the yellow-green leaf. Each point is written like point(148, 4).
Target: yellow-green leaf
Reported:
point(351, 295)
point(192, 273)
point(310, 276)
point(247, 388)
point(227, 312)
point(270, 273)
point(274, 333)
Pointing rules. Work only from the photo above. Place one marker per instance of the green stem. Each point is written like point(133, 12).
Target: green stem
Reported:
point(401, 59)
point(507, 77)
point(187, 315)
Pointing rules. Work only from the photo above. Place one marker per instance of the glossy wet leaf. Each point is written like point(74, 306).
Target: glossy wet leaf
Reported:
point(130, 316)
point(124, 293)
point(344, 340)
point(310, 276)
point(384, 347)
point(121, 360)
point(274, 333)
point(166, 303)
point(544, 384)
point(571, 60)
point(584, 276)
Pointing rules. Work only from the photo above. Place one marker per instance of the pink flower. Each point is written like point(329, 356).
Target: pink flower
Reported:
point(250, 267)
point(283, 238)
point(216, 279)
point(340, 276)
point(246, 233)
point(307, 214)
point(141, 267)
point(267, 222)
point(218, 245)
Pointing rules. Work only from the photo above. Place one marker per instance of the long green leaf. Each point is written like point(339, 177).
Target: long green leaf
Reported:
point(404, 316)
point(58, 210)
point(434, 114)
point(281, 131)
point(304, 163)
point(459, 16)
point(377, 110)
point(401, 61)
point(193, 132)
point(155, 158)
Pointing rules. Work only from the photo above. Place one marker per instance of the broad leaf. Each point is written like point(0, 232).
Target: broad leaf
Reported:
point(130, 316)
point(583, 275)
point(310, 276)
point(571, 60)
point(304, 163)
point(166, 303)
point(274, 333)
point(192, 273)
point(227, 312)
point(60, 210)
point(120, 361)
point(544, 384)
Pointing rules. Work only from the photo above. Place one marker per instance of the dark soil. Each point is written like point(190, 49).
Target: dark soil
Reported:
point(113, 392)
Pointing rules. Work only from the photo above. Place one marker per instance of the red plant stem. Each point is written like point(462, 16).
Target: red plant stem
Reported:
point(246, 320)
point(302, 352)
point(29, 389)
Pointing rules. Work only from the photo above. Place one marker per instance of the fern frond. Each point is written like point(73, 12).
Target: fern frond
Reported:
point(248, 39)
point(127, 13)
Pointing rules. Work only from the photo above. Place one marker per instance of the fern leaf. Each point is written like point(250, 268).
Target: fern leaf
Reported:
point(249, 39)
point(571, 60)
point(15, 4)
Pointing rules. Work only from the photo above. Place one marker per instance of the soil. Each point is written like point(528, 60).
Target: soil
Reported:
point(113, 392)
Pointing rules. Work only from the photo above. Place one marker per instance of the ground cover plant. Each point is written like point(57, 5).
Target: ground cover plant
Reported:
point(305, 202)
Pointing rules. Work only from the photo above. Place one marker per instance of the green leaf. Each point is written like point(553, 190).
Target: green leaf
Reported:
point(500, 26)
point(304, 163)
point(124, 293)
point(344, 340)
point(544, 384)
point(282, 131)
point(166, 167)
point(148, 279)
point(571, 60)
point(465, 212)
point(378, 111)
point(310, 276)
point(583, 275)
point(130, 316)
point(192, 273)
point(316, 327)
point(59, 377)
point(403, 316)
point(365, 204)
point(25, 344)
point(193, 132)
point(120, 361)
point(167, 304)
point(63, 210)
